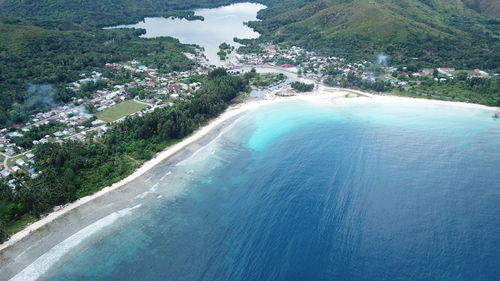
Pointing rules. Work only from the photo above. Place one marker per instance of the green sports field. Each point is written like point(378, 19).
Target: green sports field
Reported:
point(120, 110)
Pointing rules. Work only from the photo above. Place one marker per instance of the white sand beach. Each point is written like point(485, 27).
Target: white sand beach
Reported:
point(322, 94)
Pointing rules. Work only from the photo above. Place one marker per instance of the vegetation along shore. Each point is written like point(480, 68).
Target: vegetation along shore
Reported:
point(84, 107)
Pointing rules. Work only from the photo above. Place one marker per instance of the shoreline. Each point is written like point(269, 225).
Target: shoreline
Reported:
point(323, 95)
point(159, 157)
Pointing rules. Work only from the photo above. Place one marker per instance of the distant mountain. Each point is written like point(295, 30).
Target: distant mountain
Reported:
point(444, 32)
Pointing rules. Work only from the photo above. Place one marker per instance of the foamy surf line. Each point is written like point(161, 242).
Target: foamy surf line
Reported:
point(165, 154)
point(150, 191)
point(41, 265)
point(331, 96)
point(224, 131)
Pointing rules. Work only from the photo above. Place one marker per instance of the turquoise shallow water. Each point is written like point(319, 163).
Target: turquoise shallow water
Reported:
point(297, 191)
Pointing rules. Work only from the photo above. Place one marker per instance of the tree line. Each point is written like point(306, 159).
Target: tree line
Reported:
point(302, 87)
point(74, 169)
point(38, 61)
point(106, 12)
point(357, 82)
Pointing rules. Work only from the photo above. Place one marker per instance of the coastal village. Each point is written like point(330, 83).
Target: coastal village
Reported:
point(312, 66)
point(90, 117)
point(233, 140)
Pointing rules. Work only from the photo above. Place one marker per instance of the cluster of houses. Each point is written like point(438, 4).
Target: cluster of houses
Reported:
point(162, 91)
point(440, 74)
point(306, 63)
point(94, 77)
point(6, 146)
point(313, 66)
point(293, 58)
point(73, 117)
point(158, 87)
point(104, 98)
point(24, 163)
point(70, 115)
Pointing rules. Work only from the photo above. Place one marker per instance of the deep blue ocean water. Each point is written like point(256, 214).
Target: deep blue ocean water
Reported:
point(298, 191)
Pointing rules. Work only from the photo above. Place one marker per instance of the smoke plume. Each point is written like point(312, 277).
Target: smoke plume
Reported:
point(39, 96)
point(382, 59)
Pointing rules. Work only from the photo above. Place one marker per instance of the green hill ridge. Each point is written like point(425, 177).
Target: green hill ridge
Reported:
point(432, 31)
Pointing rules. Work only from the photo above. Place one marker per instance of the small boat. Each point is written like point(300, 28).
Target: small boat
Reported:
point(496, 114)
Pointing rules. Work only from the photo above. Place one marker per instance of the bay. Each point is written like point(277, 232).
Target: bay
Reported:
point(300, 191)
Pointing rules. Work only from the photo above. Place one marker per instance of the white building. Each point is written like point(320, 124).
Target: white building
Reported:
point(20, 162)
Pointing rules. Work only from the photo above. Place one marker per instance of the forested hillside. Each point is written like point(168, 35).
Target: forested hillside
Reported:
point(56, 53)
point(51, 41)
point(487, 7)
point(430, 31)
point(452, 32)
point(103, 12)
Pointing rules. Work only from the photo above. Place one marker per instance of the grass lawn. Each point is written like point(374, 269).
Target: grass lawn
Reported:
point(120, 110)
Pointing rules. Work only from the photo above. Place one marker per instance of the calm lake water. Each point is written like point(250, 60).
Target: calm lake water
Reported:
point(220, 25)
point(299, 191)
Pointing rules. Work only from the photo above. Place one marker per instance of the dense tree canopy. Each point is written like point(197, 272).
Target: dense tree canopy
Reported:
point(75, 169)
point(104, 12)
point(435, 32)
point(302, 87)
point(56, 54)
